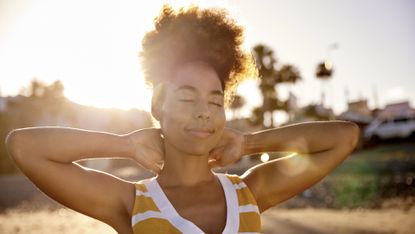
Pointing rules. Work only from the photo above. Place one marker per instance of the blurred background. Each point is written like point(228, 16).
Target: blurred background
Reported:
point(75, 64)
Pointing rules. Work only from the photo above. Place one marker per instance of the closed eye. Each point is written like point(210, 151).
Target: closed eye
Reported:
point(191, 100)
point(216, 104)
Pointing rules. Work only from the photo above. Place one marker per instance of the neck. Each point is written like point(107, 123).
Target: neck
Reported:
point(181, 169)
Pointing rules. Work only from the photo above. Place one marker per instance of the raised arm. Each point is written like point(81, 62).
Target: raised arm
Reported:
point(318, 146)
point(47, 155)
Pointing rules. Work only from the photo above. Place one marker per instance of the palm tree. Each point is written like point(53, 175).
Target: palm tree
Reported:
point(237, 103)
point(324, 69)
point(271, 76)
point(289, 74)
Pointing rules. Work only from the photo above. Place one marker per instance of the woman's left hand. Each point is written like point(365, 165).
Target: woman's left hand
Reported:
point(230, 148)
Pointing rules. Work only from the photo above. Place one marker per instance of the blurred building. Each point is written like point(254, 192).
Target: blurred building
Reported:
point(395, 110)
point(312, 112)
point(358, 112)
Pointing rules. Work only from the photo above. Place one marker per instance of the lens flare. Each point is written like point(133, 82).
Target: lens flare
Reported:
point(295, 164)
point(264, 157)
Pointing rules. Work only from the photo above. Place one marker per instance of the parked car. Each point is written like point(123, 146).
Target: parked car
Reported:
point(402, 127)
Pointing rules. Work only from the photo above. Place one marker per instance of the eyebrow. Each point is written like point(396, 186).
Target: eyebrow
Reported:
point(193, 89)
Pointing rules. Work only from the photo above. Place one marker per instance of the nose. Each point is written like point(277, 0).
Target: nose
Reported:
point(202, 111)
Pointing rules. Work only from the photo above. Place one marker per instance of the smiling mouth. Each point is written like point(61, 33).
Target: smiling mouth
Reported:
point(199, 133)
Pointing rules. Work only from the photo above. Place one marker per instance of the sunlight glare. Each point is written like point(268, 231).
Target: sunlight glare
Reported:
point(264, 157)
point(96, 58)
point(294, 164)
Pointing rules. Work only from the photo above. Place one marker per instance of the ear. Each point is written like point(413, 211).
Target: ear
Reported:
point(157, 102)
point(156, 109)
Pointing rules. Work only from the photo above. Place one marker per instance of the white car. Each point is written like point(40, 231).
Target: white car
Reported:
point(402, 127)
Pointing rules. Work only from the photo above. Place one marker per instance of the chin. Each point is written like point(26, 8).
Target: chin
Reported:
point(197, 151)
point(196, 148)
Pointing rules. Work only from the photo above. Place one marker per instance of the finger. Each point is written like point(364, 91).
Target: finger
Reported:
point(150, 165)
point(161, 148)
point(158, 157)
point(160, 165)
point(214, 163)
point(160, 133)
point(215, 154)
point(156, 169)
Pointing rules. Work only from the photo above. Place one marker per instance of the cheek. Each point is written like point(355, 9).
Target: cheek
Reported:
point(220, 118)
point(220, 121)
point(173, 119)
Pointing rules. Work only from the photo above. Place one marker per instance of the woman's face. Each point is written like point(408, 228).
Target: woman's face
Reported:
point(192, 115)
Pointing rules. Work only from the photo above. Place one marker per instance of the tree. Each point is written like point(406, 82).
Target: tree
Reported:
point(40, 89)
point(54, 91)
point(237, 103)
point(49, 98)
point(324, 71)
point(36, 88)
point(271, 76)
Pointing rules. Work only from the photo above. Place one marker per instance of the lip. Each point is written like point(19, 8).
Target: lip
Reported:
point(201, 133)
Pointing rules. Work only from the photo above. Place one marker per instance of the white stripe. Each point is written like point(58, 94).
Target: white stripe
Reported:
point(148, 214)
point(248, 208)
point(232, 217)
point(240, 185)
point(141, 193)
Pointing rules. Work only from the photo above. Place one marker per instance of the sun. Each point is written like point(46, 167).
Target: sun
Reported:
point(119, 95)
point(91, 47)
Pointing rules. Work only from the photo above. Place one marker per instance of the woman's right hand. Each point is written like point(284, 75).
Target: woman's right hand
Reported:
point(147, 148)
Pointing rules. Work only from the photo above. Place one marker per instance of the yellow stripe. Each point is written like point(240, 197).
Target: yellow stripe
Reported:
point(234, 179)
point(143, 204)
point(245, 197)
point(155, 225)
point(141, 187)
point(249, 222)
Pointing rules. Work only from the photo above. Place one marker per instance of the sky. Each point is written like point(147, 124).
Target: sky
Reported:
point(92, 47)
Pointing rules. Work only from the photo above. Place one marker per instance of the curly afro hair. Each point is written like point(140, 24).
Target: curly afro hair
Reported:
point(192, 34)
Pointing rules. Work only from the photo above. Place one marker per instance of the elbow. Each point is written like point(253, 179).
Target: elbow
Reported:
point(351, 133)
point(13, 145)
point(10, 141)
point(355, 135)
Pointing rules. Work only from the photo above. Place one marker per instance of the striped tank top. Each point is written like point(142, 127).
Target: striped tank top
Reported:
point(153, 212)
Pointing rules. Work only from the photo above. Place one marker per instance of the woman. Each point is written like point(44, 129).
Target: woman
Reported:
point(193, 59)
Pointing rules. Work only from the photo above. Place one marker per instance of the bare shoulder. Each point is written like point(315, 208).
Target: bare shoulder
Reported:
point(112, 205)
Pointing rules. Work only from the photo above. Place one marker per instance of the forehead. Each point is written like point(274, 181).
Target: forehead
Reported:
point(199, 75)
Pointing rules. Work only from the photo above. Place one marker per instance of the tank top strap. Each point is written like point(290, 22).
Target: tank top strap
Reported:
point(249, 215)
